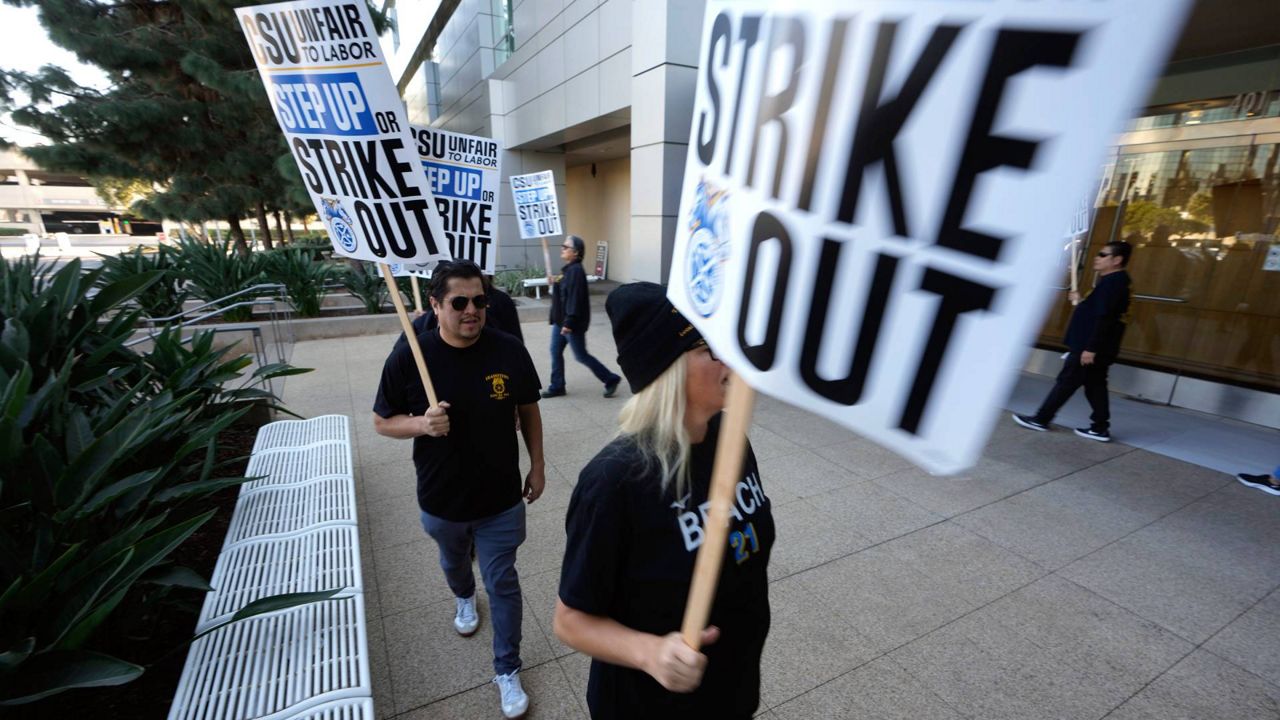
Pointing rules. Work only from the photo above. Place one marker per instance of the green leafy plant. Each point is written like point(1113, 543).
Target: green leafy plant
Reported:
point(513, 280)
point(303, 277)
point(105, 456)
point(365, 282)
point(213, 270)
point(165, 297)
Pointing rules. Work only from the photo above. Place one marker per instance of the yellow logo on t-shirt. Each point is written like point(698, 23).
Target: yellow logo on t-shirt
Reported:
point(499, 382)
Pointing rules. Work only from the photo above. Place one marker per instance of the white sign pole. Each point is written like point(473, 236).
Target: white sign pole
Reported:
point(417, 294)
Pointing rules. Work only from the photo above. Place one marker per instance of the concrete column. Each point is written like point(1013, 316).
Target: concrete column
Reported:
point(666, 35)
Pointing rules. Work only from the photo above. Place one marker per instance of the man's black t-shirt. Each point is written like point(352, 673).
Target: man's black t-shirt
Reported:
point(629, 556)
point(474, 471)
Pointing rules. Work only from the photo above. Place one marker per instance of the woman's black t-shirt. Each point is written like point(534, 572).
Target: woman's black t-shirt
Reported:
point(629, 556)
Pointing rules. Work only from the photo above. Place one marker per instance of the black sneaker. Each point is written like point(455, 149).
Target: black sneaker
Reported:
point(1030, 422)
point(611, 389)
point(1099, 435)
point(549, 393)
point(1259, 482)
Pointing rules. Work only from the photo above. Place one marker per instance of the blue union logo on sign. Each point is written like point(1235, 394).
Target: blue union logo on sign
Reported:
point(708, 251)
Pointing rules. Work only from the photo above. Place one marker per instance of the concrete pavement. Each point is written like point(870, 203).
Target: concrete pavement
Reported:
point(1060, 578)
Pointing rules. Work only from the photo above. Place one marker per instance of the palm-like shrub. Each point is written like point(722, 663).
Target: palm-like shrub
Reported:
point(165, 296)
point(364, 281)
point(213, 270)
point(303, 277)
point(105, 454)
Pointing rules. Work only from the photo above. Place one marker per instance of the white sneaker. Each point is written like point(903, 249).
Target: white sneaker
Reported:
point(514, 700)
point(465, 621)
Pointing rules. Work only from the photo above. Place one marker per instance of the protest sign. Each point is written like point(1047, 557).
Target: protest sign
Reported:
point(464, 172)
point(874, 196)
point(345, 124)
point(536, 211)
point(413, 272)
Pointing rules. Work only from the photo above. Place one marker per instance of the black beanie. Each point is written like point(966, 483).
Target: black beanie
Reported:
point(648, 330)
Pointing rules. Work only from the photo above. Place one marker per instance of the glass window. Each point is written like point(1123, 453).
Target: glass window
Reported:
point(504, 31)
point(1245, 106)
point(1201, 221)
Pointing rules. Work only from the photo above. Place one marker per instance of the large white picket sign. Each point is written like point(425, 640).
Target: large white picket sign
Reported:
point(875, 191)
point(464, 172)
point(346, 126)
point(537, 213)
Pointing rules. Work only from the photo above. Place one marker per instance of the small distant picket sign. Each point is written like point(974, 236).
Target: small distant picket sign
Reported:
point(537, 213)
point(464, 172)
point(875, 191)
point(346, 127)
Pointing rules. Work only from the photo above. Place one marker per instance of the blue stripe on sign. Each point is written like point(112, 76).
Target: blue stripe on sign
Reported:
point(323, 104)
point(452, 181)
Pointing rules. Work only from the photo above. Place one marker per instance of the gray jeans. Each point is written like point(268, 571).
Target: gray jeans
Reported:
point(496, 540)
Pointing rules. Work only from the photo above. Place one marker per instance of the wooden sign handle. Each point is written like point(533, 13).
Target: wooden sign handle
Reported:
point(409, 334)
point(1075, 266)
point(725, 474)
point(546, 257)
point(417, 294)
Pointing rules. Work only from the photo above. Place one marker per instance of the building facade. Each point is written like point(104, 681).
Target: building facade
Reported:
point(601, 93)
point(33, 200)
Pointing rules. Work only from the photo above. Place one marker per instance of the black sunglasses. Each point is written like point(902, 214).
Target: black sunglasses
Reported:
point(1106, 254)
point(459, 302)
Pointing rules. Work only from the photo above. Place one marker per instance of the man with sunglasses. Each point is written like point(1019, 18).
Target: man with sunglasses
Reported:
point(570, 317)
point(501, 314)
point(469, 485)
point(1093, 340)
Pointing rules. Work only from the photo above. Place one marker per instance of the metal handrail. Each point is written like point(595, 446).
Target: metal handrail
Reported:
point(259, 287)
point(192, 316)
point(1139, 296)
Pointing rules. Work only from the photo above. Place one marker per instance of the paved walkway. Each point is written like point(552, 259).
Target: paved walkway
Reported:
point(1060, 578)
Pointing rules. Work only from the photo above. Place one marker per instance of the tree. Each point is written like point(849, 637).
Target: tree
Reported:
point(185, 113)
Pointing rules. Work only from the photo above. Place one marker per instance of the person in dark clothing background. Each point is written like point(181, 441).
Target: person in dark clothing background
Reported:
point(570, 317)
point(1093, 341)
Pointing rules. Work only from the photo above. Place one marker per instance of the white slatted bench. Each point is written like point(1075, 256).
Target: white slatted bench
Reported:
point(297, 433)
point(311, 561)
point(286, 466)
point(293, 530)
point(271, 510)
point(276, 666)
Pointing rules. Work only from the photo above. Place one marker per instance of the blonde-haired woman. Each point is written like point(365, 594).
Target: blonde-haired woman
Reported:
point(634, 526)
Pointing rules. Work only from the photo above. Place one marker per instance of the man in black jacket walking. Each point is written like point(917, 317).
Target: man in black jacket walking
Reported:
point(1093, 339)
point(570, 317)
